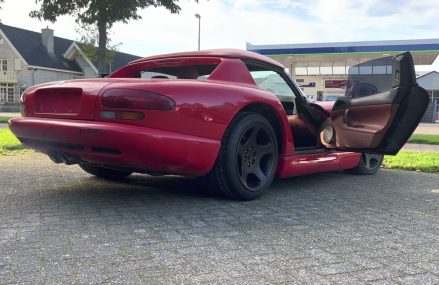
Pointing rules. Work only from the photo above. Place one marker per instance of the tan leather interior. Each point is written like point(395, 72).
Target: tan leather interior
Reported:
point(304, 132)
point(362, 126)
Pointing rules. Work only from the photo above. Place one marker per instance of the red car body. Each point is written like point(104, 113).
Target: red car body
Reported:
point(66, 117)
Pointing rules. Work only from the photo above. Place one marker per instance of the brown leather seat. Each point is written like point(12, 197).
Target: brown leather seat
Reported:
point(304, 132)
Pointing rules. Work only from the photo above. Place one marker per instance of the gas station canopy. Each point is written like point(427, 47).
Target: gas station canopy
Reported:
point(292, 56)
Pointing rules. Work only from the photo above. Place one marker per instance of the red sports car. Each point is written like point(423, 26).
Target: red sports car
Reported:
point(233, 116)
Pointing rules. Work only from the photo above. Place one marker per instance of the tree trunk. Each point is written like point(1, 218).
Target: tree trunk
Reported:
point(102, 48)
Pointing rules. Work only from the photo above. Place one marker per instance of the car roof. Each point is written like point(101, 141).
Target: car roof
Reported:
point(229, 53)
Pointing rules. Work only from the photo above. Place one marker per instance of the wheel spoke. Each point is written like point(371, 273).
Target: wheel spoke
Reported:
point(366, 160)
point(263, 150)
point(245, 172)
point(253, 135)
point(242, 167)
point(259, 174)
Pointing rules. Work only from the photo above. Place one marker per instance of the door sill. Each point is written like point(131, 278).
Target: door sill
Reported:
point(309, 150)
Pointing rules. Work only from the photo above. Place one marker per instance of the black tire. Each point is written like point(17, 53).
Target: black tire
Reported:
point(369, 164)
point(105, 173)
point(247, 161)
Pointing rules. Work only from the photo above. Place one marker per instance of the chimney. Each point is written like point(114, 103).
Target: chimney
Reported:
point(47, 39)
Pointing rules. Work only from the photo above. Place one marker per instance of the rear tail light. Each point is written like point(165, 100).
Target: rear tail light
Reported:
point(136, 99)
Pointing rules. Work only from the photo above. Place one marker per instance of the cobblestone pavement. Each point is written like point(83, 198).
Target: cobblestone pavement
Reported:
point(59, 225)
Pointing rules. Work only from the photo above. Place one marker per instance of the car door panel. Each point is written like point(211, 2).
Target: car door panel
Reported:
point(411, 110)
point(357, 128)
point(378, 118)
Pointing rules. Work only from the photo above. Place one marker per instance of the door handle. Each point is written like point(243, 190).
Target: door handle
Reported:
point(346, 119)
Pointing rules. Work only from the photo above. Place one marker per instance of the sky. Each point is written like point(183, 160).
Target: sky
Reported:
point(230, 24)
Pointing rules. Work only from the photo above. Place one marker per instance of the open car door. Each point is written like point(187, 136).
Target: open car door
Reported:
point(381, 108)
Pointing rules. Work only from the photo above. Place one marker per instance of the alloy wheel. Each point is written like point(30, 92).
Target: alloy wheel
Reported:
point(371, 161)
point(255, 156)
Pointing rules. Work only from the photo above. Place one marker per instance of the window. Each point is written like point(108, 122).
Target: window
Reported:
point(274, 82)
point(2, 93)
point(270, 80)
point(7, 93)
point(199, 72)
point(198, 68)
point(17, 64)
point(326, 70)
point(313, 70)
point(156, 75)
point(339, 70)
point(365, 69)
point(21, 88)
point(301, 71)
point(11, 94)
point(3, 65)
point(379, 69)
point(370, 78)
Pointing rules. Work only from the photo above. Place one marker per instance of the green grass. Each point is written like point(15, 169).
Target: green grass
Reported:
point(424, 139)
point(406, 160)
point(4, 119)
point(9, 143)
point(413, 160)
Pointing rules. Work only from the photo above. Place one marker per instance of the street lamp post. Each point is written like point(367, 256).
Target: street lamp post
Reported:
point(199, 28)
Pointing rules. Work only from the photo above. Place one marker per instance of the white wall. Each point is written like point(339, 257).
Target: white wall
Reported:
point(38, 76)
point(319, 80)
point(6, 52)
point(87, 69)
point(429, 81)
point(25, 73)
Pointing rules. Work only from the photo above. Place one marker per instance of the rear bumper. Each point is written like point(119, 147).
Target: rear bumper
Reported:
point(137, 148)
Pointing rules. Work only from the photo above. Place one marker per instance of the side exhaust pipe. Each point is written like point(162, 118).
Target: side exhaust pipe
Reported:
point(61, 157)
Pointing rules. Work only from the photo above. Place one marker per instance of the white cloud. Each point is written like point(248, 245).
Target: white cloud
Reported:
point(230, 23)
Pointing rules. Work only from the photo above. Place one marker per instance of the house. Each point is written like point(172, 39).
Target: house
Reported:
point(28, 58)
point(430, 82)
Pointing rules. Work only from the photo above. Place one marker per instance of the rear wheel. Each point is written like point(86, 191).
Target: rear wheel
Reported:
point(105, 173)
point(247, 161)
point(369, 164)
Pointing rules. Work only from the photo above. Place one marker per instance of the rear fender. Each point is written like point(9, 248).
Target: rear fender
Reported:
point(278, 119)
point(202, 108)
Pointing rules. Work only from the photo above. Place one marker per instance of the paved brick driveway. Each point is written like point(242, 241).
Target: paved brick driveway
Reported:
point(59, 225)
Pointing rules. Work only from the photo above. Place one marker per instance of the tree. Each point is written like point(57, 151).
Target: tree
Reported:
point(89, 45)
point(102, 14)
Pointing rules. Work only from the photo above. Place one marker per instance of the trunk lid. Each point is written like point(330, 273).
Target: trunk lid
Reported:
point(74, 99)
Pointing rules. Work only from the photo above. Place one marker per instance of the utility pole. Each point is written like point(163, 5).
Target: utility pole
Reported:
point(199, 29)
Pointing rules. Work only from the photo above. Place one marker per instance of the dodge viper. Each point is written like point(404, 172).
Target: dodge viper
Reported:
point(232, 116)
